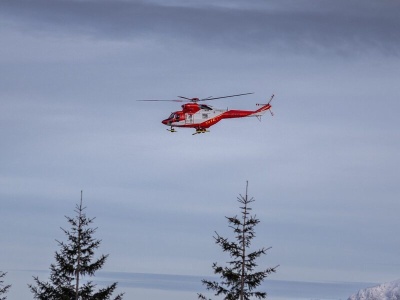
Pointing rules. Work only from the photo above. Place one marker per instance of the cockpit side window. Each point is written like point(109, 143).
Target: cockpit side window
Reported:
point(205, 107)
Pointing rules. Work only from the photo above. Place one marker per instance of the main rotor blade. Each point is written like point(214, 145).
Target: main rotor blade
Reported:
point(206, 99)
point(195, 99)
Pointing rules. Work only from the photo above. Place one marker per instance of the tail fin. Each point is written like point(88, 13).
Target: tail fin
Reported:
point(264, 107)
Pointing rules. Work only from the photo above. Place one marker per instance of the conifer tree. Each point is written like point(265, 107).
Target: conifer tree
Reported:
point(75, 261)
point(239, 279)
point(3, 288)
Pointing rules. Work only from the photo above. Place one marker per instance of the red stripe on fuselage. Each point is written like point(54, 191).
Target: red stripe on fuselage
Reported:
point(230, 114)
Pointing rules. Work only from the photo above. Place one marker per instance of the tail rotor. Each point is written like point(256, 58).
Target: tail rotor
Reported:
point(263, 104)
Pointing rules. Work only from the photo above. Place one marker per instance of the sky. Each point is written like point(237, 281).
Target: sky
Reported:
point(324, 170)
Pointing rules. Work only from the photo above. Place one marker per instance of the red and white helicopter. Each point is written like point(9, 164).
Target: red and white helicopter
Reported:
point(202, 116)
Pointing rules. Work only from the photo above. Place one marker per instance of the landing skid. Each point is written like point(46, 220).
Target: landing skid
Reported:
point(200, 130)
point(172, 129)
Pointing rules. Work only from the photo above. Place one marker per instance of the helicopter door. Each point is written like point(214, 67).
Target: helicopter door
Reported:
point(189, 119)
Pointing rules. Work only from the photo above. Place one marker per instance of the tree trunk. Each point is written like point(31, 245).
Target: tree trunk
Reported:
point(242, 275)
point(78, 262)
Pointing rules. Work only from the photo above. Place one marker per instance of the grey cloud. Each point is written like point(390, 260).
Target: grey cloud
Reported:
point(342, 27)
point(275, 288)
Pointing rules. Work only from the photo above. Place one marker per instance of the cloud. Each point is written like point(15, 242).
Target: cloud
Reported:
point(297, 26)
point(275, 288)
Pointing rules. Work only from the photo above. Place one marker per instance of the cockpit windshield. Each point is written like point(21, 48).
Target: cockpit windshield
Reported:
point(174, 116)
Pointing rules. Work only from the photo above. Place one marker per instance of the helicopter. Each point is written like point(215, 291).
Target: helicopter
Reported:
point(202, 116)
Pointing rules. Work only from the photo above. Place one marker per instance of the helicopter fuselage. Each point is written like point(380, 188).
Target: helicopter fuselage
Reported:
point(201, 116)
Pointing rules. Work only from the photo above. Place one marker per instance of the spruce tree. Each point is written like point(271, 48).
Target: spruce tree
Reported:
point(239, 279)
point(3, 288)
point(75, 261)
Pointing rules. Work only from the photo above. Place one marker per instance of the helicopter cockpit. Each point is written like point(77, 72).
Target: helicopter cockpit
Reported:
point(174, 117)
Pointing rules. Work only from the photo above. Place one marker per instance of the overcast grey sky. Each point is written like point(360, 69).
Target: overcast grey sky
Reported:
point(324, 170)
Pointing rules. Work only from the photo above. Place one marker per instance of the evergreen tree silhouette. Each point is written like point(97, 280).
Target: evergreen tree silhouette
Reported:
point(239, 279)
point(3, 288)
point(75, 261)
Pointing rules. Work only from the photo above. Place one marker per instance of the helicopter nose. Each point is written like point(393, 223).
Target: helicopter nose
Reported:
point(165, 122)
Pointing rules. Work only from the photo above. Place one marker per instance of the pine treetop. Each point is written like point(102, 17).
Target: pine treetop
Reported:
point(238, 278)
point(75, 260)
